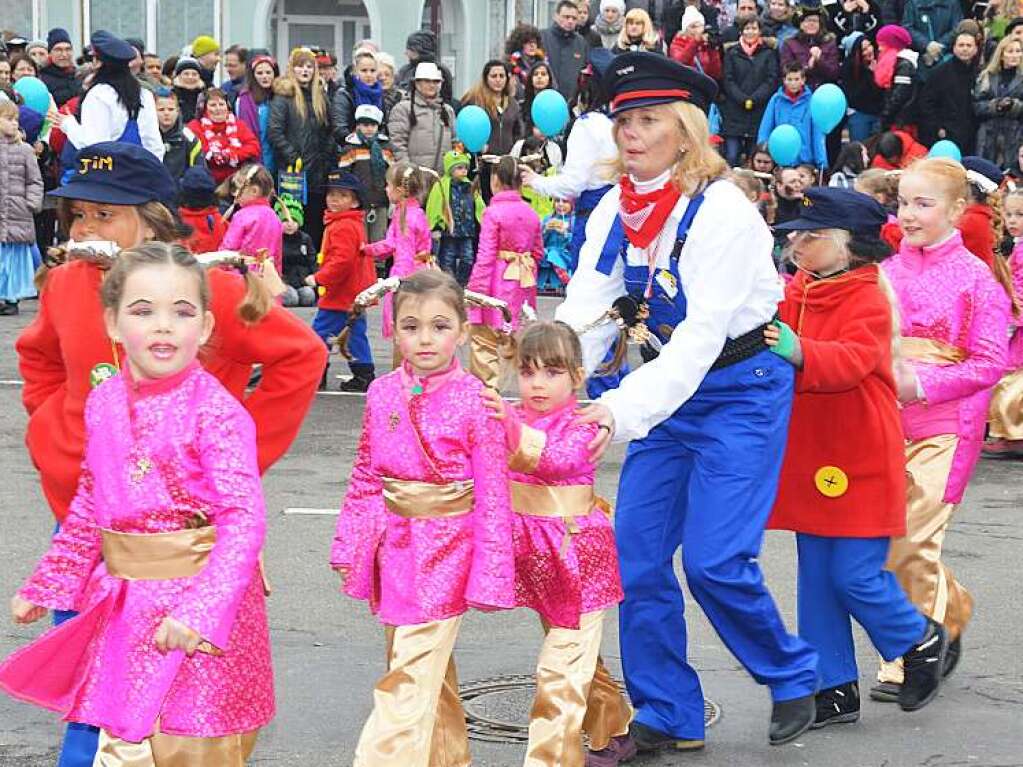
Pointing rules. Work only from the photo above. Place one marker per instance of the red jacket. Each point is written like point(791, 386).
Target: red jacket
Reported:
point(208, 228)
point(687, 50)
point(978, 234)
point(227, 145)
point(845, 413)
point(67, 339)
point(912, 150)
point(346, 271)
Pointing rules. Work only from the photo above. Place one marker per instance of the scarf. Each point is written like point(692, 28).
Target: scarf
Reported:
point(749, 48)
point(884, 72)
point(367, 94)
point(220, 138)
point(377, 162)
point(643, 215)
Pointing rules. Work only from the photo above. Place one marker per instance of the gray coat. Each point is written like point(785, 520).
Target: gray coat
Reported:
point(1000, 132)
point(21, 192)
point(425, 142)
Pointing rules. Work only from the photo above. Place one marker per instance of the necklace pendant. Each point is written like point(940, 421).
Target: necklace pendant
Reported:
point(393, 421)
point(417, 389)
point(142, 467)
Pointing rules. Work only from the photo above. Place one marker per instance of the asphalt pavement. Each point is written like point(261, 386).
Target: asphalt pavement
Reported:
point(328, 650)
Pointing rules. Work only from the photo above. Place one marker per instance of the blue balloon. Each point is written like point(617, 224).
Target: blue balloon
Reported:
point(550, 112)
point(473, 127)
point(827, 107)
point(946, 148)
point(784, 144)
point(35, 93)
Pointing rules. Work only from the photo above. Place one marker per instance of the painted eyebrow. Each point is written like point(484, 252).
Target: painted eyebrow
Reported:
point(138, 301)
point(186, 302)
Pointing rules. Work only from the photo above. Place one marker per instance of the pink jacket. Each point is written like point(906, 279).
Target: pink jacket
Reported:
point(562, 583)
point(419, 570)
point(509, 224)
point(947, 294)
point(1016, 342)
point(404, 247)
point(102, 667)
point(254, 226)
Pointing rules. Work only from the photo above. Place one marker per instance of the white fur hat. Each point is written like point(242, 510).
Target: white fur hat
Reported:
point(619, 4)
point(690, 17)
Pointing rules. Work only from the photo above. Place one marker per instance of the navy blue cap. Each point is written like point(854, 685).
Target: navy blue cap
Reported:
point(985, 168)
point(338, 179)
point(643, 79)
point(109, 47)
point(834, 208)
point(198, 179)
point(119, 174)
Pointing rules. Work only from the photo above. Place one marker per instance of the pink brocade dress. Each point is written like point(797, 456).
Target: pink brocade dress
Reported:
point(157, 455)
point(427, 569)
point(563, 583)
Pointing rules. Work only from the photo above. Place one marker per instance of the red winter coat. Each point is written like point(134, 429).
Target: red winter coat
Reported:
point(67, 339)
point(978, 235)
point(208, 228)
point(687, 50)
point(346, 271)
point(226, 145)
point(845, 413)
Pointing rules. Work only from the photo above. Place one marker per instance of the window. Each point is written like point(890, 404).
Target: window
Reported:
point(16, 15)
point(124, 18)
point(179, 22)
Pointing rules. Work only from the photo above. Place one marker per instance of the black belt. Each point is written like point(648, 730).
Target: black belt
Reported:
point(741, 348)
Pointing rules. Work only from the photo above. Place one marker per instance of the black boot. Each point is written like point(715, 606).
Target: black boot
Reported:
point(923, 666)
point(362, 377)
point(791, 718)
point(8, 309)
point(323, 380)
point(955, 651)
point(838, 705)
point(648, 739)
point(885, 692)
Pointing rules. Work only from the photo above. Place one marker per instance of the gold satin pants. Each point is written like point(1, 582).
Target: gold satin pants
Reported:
point(407, 714)
point(484, 361)
point(1005, 416)
point(916, 557)
point(161, 750)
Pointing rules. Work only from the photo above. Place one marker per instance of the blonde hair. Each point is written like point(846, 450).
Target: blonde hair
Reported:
point(8, 109)
point(699, 164)
point(316, 88)
point(875, 181)
point(995, 65)
point(748, 182)
point(649, 33)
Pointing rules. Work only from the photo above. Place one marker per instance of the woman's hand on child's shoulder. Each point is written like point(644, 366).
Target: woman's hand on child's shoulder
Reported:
point(175, 635)
point(23, 611)
point(494, 402)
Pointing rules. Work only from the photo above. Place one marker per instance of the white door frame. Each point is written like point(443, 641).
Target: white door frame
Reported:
point(263, 11)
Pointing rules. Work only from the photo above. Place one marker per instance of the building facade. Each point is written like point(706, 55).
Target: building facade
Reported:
point(470, 31)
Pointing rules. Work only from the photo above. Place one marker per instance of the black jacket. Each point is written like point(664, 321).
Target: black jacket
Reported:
point(900, 104)
point(299, 258)
point(292, 137)
point(747, 78)
point(181, 150)
point(946, 103)
point(846, 23)
point(861, 91)
point(188, 101)
point(63, 84)
point(566, 52)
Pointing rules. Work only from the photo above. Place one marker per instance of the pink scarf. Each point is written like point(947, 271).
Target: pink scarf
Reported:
point(884, 72)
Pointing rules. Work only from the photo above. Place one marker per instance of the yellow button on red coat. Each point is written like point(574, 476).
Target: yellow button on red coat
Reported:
point(831, 481)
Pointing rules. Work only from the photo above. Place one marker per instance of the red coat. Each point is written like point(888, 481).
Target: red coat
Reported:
point(346, 271)
point(227, 145)
point(845, 413)
point(687, 50)
point(67, 339)
point(978, 234)
point(208, 228)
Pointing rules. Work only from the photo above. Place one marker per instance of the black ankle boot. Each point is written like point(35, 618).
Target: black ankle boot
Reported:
point(9, 309)
point(323, 379)
point(362, 377)
point(924, 665)
point(955, 652)
point(791, 718)
point(648, 739)
point(838, 705)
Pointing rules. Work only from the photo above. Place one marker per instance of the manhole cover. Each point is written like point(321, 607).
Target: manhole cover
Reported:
point(497, 709)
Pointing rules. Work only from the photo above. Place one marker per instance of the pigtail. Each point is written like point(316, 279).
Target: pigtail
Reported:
point(258, 301)
point(885, 285)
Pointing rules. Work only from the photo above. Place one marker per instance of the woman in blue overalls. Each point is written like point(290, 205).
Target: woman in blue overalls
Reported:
point(707, 419)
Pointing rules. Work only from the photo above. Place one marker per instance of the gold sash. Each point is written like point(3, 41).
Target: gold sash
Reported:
point(565, 501)
point(931, 352)
point(157, 556)
point(425, 500)
point(521, 267)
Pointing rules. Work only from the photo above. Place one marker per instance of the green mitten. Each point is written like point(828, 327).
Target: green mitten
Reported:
point(787, 341)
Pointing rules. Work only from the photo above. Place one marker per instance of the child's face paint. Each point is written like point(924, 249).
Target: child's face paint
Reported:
point(544, 389)
point(429, 332)
point(927, 215)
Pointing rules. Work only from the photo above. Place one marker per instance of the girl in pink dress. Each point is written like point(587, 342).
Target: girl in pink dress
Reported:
point(408, 235)
point(566, 564)
point(159, 551)
point(510, 250)
point(254, 225)
point(954, 319)
point(425, 531)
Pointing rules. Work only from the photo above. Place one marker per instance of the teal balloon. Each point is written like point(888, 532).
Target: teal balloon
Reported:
point(784, 144)
point(473, 127)
point(946, 148)
point(550, 112)
point(35, 94)
point(827, 107)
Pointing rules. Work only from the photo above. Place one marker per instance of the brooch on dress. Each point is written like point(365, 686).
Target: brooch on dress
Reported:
point(141, 468)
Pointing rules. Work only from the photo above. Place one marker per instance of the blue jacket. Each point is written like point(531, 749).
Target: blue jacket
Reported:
point(781, 110)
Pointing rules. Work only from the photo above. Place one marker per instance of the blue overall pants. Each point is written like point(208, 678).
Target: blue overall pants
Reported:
point(704, 480)
point(328, 323)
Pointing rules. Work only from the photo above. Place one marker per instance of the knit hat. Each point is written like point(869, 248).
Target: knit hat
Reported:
point(294, 207)
point(619, 4)
point(894, 36)
point(56, 36)
point(204, 44)
point(186, 62)
point(198, 179)
point(36, 44)
point(453, 159)
point(423, 43)
point(690, 17)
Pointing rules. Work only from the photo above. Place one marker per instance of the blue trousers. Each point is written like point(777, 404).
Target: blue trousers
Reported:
point(705, 479)
point(843, 578)
point(456, 256)
point(330, 322)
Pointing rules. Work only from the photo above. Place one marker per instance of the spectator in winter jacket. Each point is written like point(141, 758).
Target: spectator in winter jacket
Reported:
point(896, 150)
point(522, 51)
point(361, 86)
point(253, 104)
point(181, 147)
point(638, 34)
point(750, 79)
point(932, 25)
point(198, 208)
point(366, 153)
point(776, 22)
point(235, 64)
point(671, 17)
point(421, 48)
point(946, 99)
point(608, 25)
point(692, 46)
point(188, 87)
point(863, 95)
point(207, 52)
point(813, 48)
point(60, 76)
point(744, 9)
point(227, 142)
point(494, 92)
point(254, 227)
point(896, 75)
point(453, 211)
point(566, 49)
point(998, 104)
point(791, 106)
point(423, 126)
point(863, 16)
point(539, 79)
point(299, 253)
